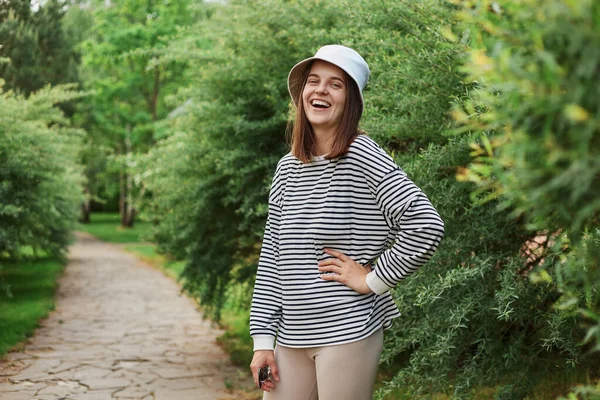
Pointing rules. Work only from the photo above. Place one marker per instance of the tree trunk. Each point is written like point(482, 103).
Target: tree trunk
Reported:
point(126, 196)
point(125, 200)
point(85, 208)
point(129, 211)
point(122, 197)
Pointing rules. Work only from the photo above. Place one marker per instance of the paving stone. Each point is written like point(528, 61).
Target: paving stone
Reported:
point(103, 384)
point(41, 365)
point(12, 369)
point(15, 356)
point(59, 391)
point(97, 395)
point(23, 386)
point(144, 378)
point(22, 395)
point(74, 386)
point(88, 372)
point(30, 376)
point(132, 393)
point(129, 364)
point(195, 394)
point(180, 384)
point(176, 360)
point(179, 373)
point(64, 366)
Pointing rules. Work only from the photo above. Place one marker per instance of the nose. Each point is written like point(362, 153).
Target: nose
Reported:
point(322, 88)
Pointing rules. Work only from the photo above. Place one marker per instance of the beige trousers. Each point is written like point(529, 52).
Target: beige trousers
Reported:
point(340, 372)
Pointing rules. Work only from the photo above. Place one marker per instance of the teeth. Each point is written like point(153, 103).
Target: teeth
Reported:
point(320, 103)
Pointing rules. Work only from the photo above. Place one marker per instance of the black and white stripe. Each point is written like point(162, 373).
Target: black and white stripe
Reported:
point(361, 204)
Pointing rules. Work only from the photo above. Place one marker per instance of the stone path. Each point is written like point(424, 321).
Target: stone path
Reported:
point(120, 330)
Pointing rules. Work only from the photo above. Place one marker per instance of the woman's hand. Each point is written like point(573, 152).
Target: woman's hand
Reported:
point(260, 359)
point(345, 270)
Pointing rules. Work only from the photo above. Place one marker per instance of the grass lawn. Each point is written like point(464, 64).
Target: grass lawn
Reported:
point(107, 227)
point(32, 284)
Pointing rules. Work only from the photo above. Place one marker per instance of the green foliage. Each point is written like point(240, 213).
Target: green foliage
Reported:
point(471, 316)
point(235, 318)
point(209, 180)
point(584, 393)
point(124, 64)
point(34, 52)
point(536, 114)
point(40, 181)
point(539, 91)
point(41, 52)
point(414, 68)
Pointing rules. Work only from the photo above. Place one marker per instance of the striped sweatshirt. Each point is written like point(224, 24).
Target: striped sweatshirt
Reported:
point(361, 204)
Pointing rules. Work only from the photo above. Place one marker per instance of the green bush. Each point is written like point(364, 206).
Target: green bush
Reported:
point(539, 150)
point(537, 68)
point(471, 316)
point(209, 181)
point(535, 111)
point(40, 181)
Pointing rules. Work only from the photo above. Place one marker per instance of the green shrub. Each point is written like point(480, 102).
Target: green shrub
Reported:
point(210, 179)
point(471, 316)
point(40, 181)
point(535, 110)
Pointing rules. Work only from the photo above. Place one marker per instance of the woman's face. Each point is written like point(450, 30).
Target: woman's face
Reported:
point(324, 95)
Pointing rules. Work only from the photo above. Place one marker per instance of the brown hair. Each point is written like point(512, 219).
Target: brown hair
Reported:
point(302, 135)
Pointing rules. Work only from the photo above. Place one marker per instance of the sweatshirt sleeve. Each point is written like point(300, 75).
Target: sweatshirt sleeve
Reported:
point(420, 230)
point(265, 312)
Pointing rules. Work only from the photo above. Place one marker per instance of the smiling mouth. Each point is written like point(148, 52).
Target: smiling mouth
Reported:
point(320, 104)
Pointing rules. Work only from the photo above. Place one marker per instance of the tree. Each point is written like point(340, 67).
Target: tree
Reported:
point(124, 65)
point(40, 180)
point(39, 51)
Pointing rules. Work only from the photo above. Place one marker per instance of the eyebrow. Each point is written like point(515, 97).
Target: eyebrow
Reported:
point(333, 77)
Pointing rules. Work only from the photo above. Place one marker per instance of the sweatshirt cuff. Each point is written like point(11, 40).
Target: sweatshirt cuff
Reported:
point(376, 284)
point(263, 342)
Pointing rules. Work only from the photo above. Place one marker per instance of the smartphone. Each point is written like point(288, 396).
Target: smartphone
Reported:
point(264, 374)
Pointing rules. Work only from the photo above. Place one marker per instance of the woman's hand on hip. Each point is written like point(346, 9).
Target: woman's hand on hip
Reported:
point(345, 270)
point(262, 358)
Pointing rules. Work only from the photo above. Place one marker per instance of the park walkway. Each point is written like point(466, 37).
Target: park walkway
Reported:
point(120, 330)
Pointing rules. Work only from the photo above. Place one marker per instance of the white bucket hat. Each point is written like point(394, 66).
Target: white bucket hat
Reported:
point(341, 56)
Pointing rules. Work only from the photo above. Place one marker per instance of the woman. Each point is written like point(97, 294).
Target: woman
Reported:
point(345, 225)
